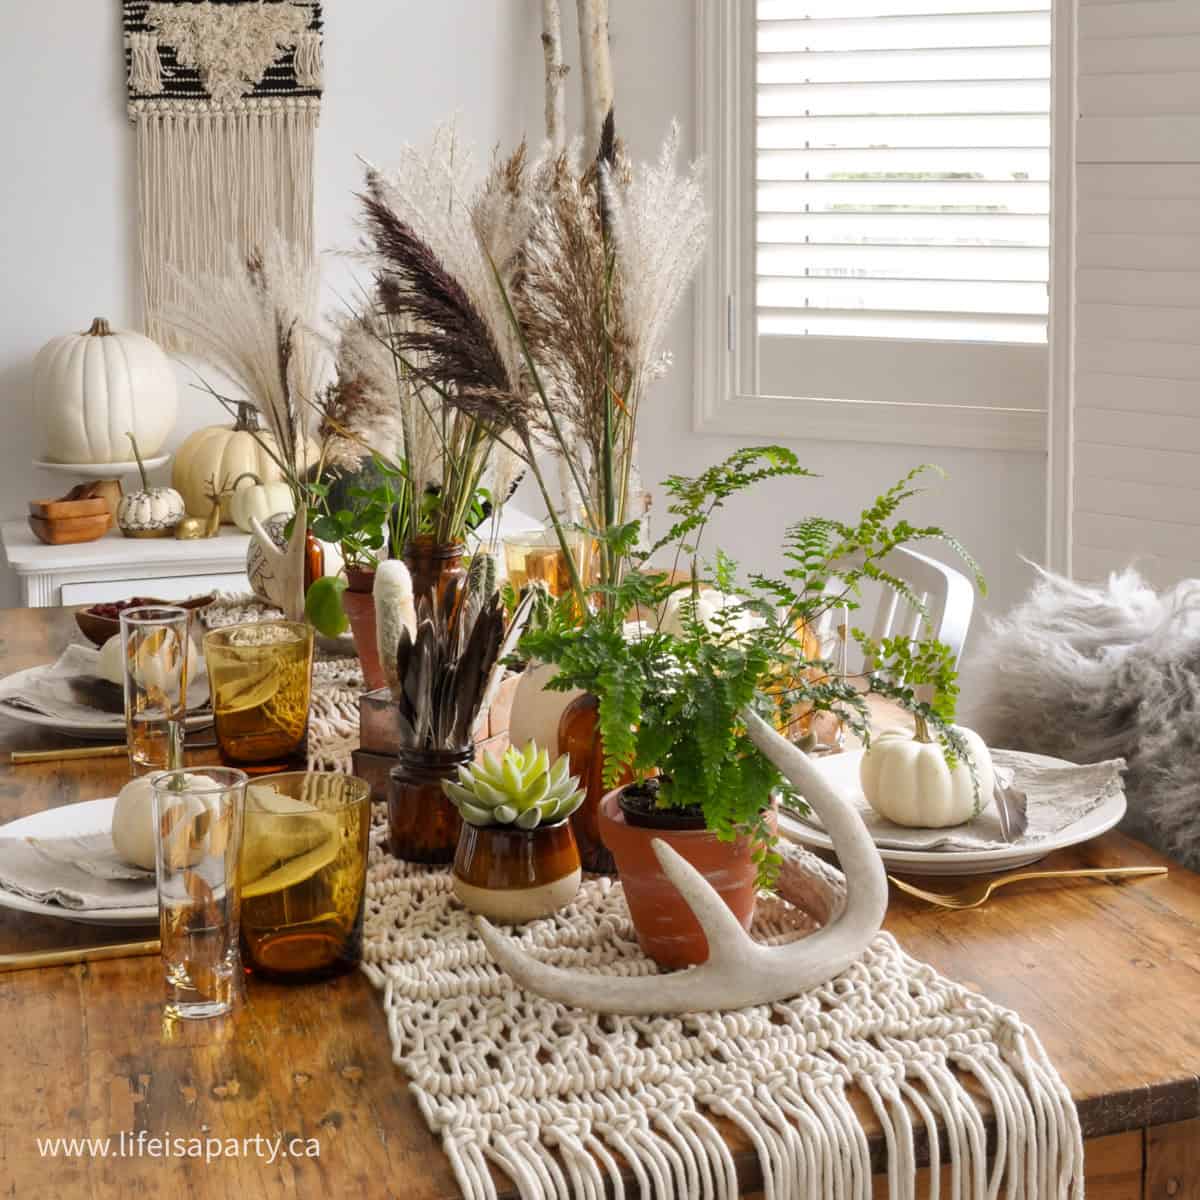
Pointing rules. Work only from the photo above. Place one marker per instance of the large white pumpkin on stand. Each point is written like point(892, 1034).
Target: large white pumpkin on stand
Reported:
point(92, 389)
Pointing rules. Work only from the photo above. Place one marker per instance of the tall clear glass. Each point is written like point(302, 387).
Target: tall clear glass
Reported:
point(155, 643)
point(198, 824)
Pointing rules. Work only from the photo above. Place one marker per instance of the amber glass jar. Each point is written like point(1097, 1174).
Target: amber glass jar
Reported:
point(579, 738)
point(423, 825)
point(512, 875)
point(314, 560)
point(432, 565)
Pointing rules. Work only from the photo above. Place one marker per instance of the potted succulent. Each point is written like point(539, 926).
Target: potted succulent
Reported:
point(670, 695)
point(516, 858)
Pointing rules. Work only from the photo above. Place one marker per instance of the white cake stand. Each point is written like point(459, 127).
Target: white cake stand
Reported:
point(113, 470)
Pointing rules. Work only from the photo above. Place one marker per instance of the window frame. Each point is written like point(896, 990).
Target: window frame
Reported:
point(726, 399)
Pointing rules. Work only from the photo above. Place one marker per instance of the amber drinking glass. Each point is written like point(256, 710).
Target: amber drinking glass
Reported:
point(260, 676)
point(536, 556)
point(304, 874)
point(423, 826)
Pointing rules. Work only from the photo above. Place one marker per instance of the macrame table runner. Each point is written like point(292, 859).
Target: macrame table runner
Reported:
point(225, 96)
point(559, 1099)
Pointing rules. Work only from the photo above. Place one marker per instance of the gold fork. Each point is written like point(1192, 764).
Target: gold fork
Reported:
point(975, 893)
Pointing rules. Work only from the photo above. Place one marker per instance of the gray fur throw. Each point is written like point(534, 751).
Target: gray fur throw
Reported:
point(1085, 673)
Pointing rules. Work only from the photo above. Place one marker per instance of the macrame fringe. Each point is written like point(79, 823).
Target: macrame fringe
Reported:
point(568, 1105)
point(145, 71)
point(209, 181)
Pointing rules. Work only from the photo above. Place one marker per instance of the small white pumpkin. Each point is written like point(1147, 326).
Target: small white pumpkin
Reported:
point(258, 499)
point(133, 826)
point(905, 779)
point(224, 453)
point(151, 512)
point(110, 664)
point(89, 388)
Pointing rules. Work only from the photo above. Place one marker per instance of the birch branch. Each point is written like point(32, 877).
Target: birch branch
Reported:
point(556, 73)
point(595, 68)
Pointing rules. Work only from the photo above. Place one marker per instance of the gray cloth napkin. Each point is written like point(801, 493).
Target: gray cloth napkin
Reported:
point(81, 872)
point(46, 690)
point(1060, 794)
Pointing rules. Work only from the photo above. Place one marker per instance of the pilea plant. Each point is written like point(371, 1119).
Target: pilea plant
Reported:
point(671, 700)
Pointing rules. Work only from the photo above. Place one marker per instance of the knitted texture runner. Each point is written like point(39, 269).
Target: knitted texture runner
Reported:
point(558, 1099)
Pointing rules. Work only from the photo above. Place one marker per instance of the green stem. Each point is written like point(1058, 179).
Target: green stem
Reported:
point(572, 567)
point(137, 454)
point(921, 727)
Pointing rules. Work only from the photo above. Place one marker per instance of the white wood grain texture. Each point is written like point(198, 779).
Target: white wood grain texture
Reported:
point(1167, 397)
point(1167, 288)
point(1129, 322)
point(1139, 251)
point(1170, 467)
point(1138, 19)
point(1138, 55)
point(1158, 139)
point(1126, 212)
point(1094, 564)
point(1178, 540)
point(1142, 501)
point(1132, 429)
point(1149, 360)
point(1141, 179)
point(1123, 95)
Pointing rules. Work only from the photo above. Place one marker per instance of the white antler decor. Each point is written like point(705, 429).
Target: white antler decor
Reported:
point(739, 971)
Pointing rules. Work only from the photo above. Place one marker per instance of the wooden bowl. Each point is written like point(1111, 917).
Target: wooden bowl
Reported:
point(60, 510)
point(98, 629)
point(66, 531)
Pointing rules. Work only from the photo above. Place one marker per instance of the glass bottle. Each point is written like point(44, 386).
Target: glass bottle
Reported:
point(432, 565)
point(423, 825)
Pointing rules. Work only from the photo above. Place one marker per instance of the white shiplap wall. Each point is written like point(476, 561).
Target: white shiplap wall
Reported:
point(1137, 289)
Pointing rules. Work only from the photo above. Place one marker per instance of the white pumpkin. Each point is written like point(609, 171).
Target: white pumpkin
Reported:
point(110, 664)
point(133, 825)
point(536, 710)
point(91, 389)
point(223, 453)
point(155, 511)
point(905, 779)
point(258, 499)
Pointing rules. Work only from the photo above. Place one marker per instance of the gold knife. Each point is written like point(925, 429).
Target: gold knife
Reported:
point(79, 954)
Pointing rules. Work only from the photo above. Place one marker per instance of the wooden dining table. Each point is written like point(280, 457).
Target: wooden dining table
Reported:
point(1108, 974)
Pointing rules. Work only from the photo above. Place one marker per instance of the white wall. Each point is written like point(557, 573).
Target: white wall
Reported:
point(68, 239)
point(393, 70)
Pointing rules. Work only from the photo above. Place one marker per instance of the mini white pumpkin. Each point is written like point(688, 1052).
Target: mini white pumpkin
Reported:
point(110, 664)
point(151, 512)
point(89, 388)
point(133, 826)
point(905, 779)
point(224, 453)
point(258, 499)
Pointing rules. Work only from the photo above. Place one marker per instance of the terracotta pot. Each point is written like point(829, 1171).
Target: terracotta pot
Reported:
point(512, 875)
point(358, 603)
point(423, 826)
point(666, 928)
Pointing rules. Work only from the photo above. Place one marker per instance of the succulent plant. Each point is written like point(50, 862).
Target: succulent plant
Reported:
point(521, 789)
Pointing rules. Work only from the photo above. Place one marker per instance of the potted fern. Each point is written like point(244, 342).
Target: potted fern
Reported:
point(671, 692)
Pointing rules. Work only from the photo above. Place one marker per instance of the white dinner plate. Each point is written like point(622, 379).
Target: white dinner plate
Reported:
point(842, 771)
point(104, 727)
point(111, 470)
point(89, 816)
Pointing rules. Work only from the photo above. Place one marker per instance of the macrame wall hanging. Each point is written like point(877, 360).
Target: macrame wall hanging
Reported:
point(225, 96)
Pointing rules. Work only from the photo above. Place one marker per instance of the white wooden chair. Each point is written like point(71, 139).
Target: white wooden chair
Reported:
point(947, 595)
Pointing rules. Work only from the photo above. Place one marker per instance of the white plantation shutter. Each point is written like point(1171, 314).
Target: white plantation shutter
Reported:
point(1136, 446)
point(903, 167)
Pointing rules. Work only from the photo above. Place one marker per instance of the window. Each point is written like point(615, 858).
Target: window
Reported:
point(881, 191)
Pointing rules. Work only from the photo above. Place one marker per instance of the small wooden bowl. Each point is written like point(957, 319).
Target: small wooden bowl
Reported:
point(61, 510)
point(66, 531)
point(98, 629)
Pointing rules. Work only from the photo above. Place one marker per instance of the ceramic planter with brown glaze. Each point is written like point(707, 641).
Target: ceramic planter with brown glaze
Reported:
point(512, 875)
point(358, 603)
point(667, 929)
